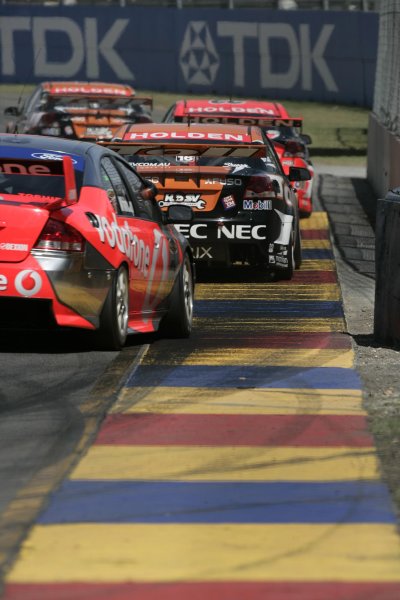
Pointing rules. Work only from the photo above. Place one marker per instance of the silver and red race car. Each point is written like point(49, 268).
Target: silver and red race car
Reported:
point(84, 244)
point(245, 208)
point(290, 143)
point(85, 110)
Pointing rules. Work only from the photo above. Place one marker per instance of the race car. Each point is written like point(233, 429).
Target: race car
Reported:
point(84, 244)
point(290, 143)
point(79, 110)
point(245, 209)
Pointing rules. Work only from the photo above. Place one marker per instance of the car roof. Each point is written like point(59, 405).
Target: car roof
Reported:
point(196, 132)
point(88, 88)
point(50, 144)
point(209, 107)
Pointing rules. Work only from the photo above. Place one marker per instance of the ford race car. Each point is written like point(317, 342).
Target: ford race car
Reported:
point(245, 209)
point(290, 143)
point(79, 110)
point(84, 244)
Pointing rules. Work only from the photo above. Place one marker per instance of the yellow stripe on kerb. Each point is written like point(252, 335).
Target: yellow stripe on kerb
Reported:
point(125, 552)
point(318, 265)
point(266, 292)
point(227, 463)
point(239, 402)
point(318, 220)
point(244, 323)
point(271, 357)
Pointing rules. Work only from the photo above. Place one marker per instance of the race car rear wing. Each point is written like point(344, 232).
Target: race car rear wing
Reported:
point(209, 150)
point(183, 173)
point(260, 121)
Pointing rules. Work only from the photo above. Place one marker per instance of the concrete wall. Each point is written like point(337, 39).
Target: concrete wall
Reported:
point(383, 164)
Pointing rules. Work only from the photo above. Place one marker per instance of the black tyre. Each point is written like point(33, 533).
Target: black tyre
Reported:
point(297, 248)
point(178, 321)
point(113, 329)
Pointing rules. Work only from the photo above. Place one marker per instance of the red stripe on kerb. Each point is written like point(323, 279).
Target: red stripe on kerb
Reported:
point(235, 430)
point(279, 340)
point(301, 276)
point(204, 590)
point(314, 234)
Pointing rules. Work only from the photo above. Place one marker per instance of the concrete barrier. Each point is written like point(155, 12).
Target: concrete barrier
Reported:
point(387, 265)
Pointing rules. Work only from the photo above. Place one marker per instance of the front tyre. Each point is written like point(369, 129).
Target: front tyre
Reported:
point(178, 321)
point(113, 329)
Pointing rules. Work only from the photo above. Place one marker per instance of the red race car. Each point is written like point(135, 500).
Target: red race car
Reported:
point(84, 244)
point(78, 109)
point(284, 131)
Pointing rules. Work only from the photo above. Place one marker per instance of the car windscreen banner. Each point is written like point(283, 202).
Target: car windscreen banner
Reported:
point(241, 120)
point(182, 150)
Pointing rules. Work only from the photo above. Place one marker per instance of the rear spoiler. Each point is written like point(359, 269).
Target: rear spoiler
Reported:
point(131, 148)
point(261, 121)
point(184, 173)
point(71, 192)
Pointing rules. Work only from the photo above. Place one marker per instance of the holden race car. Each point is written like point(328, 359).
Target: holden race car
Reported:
point(244, 207)
point(79, 110)
point(84, 244)
point(290, 143)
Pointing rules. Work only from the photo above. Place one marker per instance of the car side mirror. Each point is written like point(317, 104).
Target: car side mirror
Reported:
point(12, 111)
point(306, 138)
point(299, 174)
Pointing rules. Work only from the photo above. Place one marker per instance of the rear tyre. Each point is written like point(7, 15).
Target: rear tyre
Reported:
point(178, 321)
point(113, 329)
point(297, 248)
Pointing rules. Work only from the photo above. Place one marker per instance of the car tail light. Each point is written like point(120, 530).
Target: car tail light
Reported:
point(58, 236)
point(259, 186)
point(294, 149)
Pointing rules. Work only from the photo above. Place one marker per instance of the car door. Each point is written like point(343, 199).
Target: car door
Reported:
point(150, 269)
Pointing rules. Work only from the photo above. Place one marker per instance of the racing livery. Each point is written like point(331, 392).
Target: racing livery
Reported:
point(78, 110)
point(84, 244)
point(290, 143)
point(245, 209)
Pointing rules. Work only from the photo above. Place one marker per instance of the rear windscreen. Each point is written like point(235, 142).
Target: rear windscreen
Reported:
point(236, 163)
point(34, 178)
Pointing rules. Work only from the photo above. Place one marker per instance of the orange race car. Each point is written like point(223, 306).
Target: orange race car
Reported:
point(79, 110)
point(285, 132)
point(245, 208)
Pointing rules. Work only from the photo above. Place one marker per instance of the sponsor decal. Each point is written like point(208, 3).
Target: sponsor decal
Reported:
point(3, 282)
point(198, 57)
point(231, 110)
point(128, 243)
point(228, 202)
point(187, 135)
point(199, 252)
point(13, 168)
point(89, 90)
point(257, 205)
point(52, 156)
point(231, 232)
point(193, 200)
point(223, 181)
point(28, 283)
point(282, 260)
point(104, 131)
point(14, 247)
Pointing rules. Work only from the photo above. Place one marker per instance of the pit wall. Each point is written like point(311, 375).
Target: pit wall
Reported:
point(324, 56)
point(383, 162)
